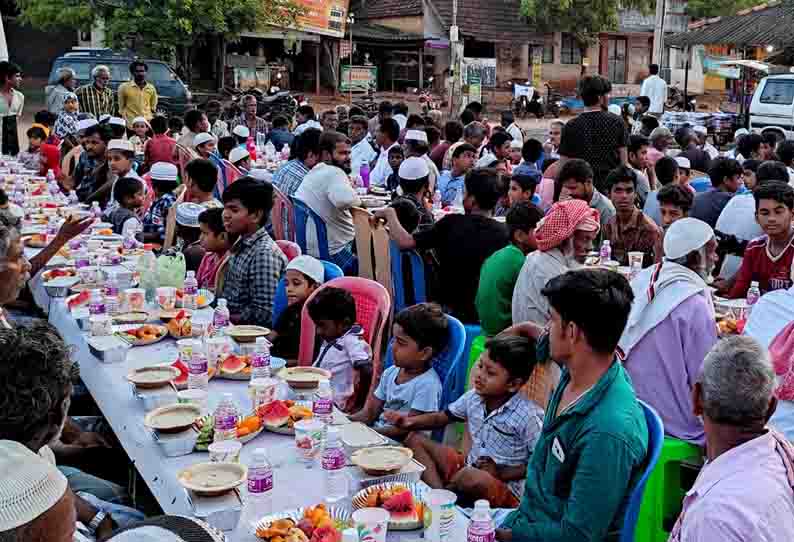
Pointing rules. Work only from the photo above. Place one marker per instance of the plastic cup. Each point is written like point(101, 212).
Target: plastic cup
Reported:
point(225, 451)
point(136, 298)
point(442, 515)
point(193, 397)
point(101, 325)
point(308, 440)
point(185, 347)
point(166, 297)
point(262, 391)
point(635, 260)
point(216, 348)
point(371, 524)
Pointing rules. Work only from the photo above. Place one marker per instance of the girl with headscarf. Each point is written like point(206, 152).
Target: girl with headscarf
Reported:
point(66, 124)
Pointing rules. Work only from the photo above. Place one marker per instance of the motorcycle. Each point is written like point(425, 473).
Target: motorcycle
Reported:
point(527, 100)
point(427, 99)
point(268, 104)
point(675, 100)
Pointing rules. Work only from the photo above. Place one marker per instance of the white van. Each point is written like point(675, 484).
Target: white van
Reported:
point(772, 108)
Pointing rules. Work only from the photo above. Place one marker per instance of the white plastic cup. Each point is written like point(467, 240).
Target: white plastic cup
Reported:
point(442, 515)
point(166, 297)
point(225, 451)
point(262, 391)
point(185, 347)
point(136, 298)
point(635, 260)
point(308, 440)
point(193, 396)
point(371, 524)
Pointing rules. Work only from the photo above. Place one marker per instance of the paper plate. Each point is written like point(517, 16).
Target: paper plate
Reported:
point(365, 497)
point(162, 333)
point(58, 272)
point(382, 460)
point(358, 435)
point(303, 378)
point(135, 317)
point(172, 418)
point(341, 516)
point(212, 478)
point(156, 376)
point(246, 334)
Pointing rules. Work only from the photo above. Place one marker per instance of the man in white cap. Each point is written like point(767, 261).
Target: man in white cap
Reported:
point(188, 234)
point(417, 145)
point(165, 177)
point(118, 127)
point(241, 159)
point(414, 176)
point(671, 327)
point(737, 137)
point(702, 133)
point(35, 502)
point(684, 170)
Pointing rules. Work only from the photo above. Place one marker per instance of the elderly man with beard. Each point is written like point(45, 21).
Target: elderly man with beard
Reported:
point(564, 237)
point(671, 327)
point(327, 191)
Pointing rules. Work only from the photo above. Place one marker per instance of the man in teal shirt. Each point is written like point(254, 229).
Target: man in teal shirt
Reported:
point(594, 441)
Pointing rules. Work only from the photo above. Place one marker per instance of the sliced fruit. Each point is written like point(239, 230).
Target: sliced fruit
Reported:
point(274, 414)
point(401, 505)
point(232, 364)
point(181, 381)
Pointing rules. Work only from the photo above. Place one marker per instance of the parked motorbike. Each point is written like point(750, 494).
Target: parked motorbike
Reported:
point(268, 104)
point(675, 100)
point(534, 103)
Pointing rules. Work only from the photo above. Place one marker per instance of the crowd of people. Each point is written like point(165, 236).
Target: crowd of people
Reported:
point(507, 226)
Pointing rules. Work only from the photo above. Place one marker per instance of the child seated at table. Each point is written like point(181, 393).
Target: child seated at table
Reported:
point(164, 178)
point(216, 242)
point(411, 386)
point(504, 427)
point(396, 157)
point(189, 234)
point(343, 351)
point(303, 275)
point(202, 178)
point(31, 158)
point(10, 214)
point(129, 196)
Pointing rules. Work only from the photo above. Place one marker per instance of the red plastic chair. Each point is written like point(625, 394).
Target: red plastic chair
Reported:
point(282, 216)
point(291, 250)
point(232, 173)
point(373, 307)
point(182, 156)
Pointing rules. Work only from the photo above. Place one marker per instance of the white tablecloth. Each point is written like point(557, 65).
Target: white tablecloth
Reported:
point(294, 485)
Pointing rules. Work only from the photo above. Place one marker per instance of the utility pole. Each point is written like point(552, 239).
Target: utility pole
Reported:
point(3, 45)
point(453, 57)
point(351, 19)
point(658, 33)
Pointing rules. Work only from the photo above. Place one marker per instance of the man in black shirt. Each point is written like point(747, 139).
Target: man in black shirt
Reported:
point(461, 242)
point(596, 136)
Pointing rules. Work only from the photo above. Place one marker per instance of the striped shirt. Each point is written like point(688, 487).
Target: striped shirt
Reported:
point(261, 125)
point(97, 102)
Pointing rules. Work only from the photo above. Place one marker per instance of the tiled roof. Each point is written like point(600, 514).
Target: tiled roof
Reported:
point(495, 20)
point(377, 32)
point(380, 9)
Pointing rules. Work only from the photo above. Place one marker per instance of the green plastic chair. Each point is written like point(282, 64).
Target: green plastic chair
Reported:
point(663, 498)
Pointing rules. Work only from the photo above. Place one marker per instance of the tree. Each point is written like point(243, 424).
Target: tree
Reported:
point(163, 28)
point(699, 9)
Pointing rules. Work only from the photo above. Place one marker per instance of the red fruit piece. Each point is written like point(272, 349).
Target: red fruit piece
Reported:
point(326, 534)
point(401, 503)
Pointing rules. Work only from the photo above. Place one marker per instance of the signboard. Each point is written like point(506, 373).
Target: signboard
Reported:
point(485, 68)
point(537, 66)
point(358, 78)
point(326, 17)
point(712, 65)
point(475, 87)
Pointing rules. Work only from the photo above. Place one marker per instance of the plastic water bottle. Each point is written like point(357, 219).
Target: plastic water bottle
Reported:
point(260, 359)
point(250, 146)
point(323, 402)
point(112, 293)
point(458, 201)
point(50, 176)
point(96, 212)
point(753, 293)
point(285, 152)
point(190, 290)
point(334, 467)
point(197, 375)
point(96, 305)
point(220, 318)
point(147, 267)
point(270, 151)
point(226, 415)
point(259, 497)
point(73, 199)
point(606, 251)
point(437, 201)
point(481, 528)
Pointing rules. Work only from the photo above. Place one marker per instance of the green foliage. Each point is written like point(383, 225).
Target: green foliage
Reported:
point(583, 18)
point(56, 14)
point(712, 8)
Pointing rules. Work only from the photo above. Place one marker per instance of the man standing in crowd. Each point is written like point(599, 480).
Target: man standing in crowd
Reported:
point(97, 98)
point(218, 127)
point(655, 88)
point(552, 144)
point(362, 151)
point(594, 442)
point(474, 134)
point(595, 136)
point(576, 181)
point(305, 119)
point(564, 237)
point(256, 125)
point(11, 104)
point(689, 142)
point(702, 133)
point(509, 124)
point(65, 85)
point(137, 98)
point(671, 327)
point(638, 161)
point(744, 491)
point(386, 137)
point(385, 110)
point(641, 105)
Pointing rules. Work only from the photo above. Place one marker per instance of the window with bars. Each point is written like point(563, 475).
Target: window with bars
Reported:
point(570, 52)
point(616, 60)
point(547, 53)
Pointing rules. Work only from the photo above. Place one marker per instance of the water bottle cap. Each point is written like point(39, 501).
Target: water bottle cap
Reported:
point(482, 504)
point(221, 302)
point(260, 455)
point(754, 284)
point(323, 384)
point(261, 341)
point(606, 242)
point(190, 274)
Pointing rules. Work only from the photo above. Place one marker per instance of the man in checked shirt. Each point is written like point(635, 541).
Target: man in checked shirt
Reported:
point(256, 262)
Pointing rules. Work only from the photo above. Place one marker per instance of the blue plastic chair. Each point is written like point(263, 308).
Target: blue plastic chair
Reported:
point(701, 184)
point(302, 216)
point(655, 442)
point(332, 271)
point(417, 277)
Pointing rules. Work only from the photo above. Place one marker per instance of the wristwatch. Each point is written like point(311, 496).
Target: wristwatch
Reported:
point(96, 520)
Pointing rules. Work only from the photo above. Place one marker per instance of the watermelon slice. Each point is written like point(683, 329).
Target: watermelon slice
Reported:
point(274, 414)
point(79, 300)
point(181, 381)
point(232, 365)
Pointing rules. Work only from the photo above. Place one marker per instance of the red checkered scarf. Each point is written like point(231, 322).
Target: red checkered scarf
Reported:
point(564, 218)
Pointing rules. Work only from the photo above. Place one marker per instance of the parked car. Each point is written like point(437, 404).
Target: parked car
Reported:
point(772, 106)
point(173, 95)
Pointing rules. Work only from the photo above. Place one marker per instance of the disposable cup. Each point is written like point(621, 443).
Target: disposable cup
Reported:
point(308, 440)
point(193, 396)
point(166, 297)
point(635, 260)
point(262, 391)
point(371, 524)
point(225, 451)
point(185, 347)
point(136, 298)
point(438, 524)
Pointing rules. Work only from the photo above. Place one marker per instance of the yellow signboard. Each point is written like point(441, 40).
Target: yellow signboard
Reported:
point(326, 17)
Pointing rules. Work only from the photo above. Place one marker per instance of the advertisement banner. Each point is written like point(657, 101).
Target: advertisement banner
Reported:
point(537, 66)
point(326, 17)
point(484, 68)
point(358, 78)
point(712, 66)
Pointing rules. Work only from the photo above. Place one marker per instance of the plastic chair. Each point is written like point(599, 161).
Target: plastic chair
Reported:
point(332, 271)
point(402, 298)
point(183, 155)
point(232, 173)
point(291, 250)
point(700, 184)
point(366, 264)
point(282, 216)
point(302, 216)
point(663, 498)
point(655, 442)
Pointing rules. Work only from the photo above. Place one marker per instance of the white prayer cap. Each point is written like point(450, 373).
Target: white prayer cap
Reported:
point(516, 144)
point(237, 154)
point(120, 145)
point(683, 162)
point(416, 135)
point(413, 168)
point(241, 131)
point(118, 121)
point(203, 137)
point(614, 109)
point(309, 266)
point(700, 130)
point(104, 117)
point(136, 120)
point(164, 171)
point(261, 175)
point(30, 487)
point(684, 236)
point(739, 133)
point(187, 214)
point(85, 124)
